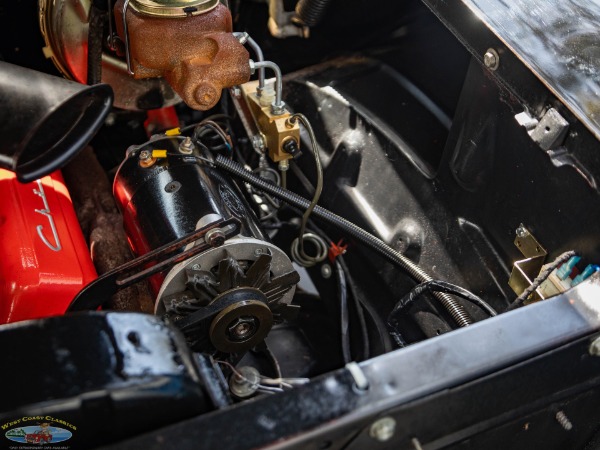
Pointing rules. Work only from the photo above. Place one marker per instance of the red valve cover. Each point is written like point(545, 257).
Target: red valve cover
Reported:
point(45, 260)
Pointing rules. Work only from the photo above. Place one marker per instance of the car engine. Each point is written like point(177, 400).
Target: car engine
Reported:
point(300, 224)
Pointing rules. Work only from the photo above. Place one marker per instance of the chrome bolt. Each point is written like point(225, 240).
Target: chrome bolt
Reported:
point(236, 91)
point(522, 231)
point(196, 267)
point(278, 110)
point(258, 143)
point(186, 146)
point(564, 421)
point(284, 165)
point(145, 155)
point(595, 347)
point(215, 237)
point(258, 252)
point(491, 59)
point(383, 429)
point(326, 271)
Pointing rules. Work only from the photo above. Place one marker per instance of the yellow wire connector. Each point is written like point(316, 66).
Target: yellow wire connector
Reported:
point(159, 154)
point(173, 132)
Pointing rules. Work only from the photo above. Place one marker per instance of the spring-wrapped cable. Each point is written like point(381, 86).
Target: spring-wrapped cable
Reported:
point(455, 309)
point(311, 12)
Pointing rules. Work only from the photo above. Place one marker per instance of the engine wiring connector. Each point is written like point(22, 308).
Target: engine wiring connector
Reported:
point(564, 271)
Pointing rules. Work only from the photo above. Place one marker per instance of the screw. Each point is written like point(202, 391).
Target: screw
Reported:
point(258, 143)
point(242, 328)
point(491, 59)
point(145, 155)
point(186, 146)
point(258, 252)
point(326, 271)
point(236, 91)
point(172, 187)
point(196, 267)
point(564, 421)
point(522, 231)
point(215, 237)
point(383, 429)
point(595, 347)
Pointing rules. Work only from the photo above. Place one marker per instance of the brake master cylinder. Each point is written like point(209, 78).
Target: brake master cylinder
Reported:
point(188, 42)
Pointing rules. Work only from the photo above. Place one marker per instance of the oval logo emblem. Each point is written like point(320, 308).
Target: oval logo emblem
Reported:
point(231, 200)
point(43, 433)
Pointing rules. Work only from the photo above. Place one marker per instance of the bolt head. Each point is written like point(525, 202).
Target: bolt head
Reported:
point(258, 143)
point(383, 429)
point(522, 231)
point(491, 59)
point(595, 347)
point(326, 271)
point(145, 155)
point(215, 237)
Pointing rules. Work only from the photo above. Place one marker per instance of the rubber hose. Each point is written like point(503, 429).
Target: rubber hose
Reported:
point(455, 309)
point(95, 37)
point(311, 12)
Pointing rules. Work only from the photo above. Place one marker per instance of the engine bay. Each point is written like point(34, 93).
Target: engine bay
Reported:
point(309, 224)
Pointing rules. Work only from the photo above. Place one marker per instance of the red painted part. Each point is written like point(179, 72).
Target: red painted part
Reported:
point(161, 120)
point(39, 279)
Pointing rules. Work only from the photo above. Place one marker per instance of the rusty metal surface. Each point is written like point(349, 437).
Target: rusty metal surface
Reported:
point(197, 55)
point(65, 25)
point(102, 226)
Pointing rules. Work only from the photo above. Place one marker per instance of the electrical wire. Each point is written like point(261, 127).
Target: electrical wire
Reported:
point(543, 276)
point(440, 286)
point(455, 309)
point(344, 321)
point(321, 249)
point(263, 385)
point(305, 259)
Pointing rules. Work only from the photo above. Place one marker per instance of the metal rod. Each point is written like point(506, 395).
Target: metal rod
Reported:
point(277, 107)
point(126, 33)
point(245, 38)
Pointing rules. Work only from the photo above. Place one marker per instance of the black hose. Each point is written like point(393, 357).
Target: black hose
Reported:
point(440, 286)
point(455, 309)
point(95, 38)
point(360, 303)
point(344, 321)
point(311, 12)
point(543, 276)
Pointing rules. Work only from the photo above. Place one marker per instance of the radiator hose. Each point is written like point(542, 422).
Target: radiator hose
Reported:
point(455, 309)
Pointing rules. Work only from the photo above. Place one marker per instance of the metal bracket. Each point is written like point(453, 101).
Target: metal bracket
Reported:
point(549, 132)
point(101, 289)
point(525, 270)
